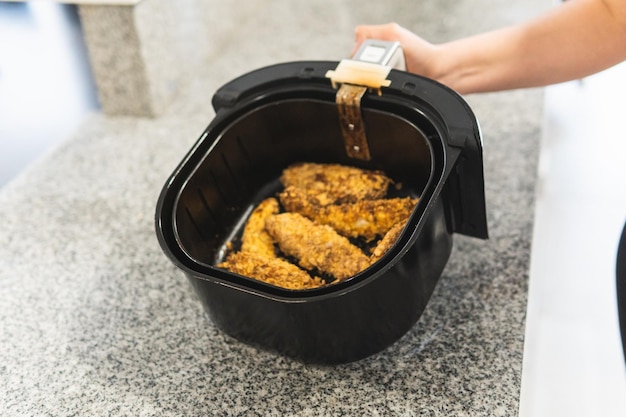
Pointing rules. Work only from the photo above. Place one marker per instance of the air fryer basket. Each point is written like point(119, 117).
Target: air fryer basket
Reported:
point(420, 133)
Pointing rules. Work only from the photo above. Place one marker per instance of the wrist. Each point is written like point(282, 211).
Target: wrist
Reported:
point(442, 66)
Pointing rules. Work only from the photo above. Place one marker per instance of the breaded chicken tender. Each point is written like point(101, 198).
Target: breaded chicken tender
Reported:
point(255, 239)
point(274, 270)
point(367, 218)
point(333, 183)
point(316, 247)
point(386, 242)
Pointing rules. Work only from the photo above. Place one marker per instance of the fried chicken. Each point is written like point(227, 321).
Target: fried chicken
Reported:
point(272, 270)
point(386, 242)
point(333, 183)
point(316, 247)
point(255, 239)
point(325, 204)
point(257, 258)
point(367, 218)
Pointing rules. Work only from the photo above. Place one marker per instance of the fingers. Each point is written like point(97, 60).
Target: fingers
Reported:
point(384, 32)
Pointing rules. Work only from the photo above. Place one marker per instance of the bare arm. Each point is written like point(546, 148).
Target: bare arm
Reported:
point(575, 39)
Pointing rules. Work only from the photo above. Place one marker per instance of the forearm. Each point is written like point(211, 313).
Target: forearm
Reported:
point(582, 37)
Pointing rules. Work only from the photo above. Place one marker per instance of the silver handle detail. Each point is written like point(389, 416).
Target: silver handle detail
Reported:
point(379, 52)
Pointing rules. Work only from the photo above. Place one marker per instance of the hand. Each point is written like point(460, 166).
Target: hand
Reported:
point(541, 51)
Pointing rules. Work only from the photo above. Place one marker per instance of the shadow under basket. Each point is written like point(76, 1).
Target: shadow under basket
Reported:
point(420, 133)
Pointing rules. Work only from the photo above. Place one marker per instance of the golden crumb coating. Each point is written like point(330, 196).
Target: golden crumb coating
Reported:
point(255, 239)
point(316, 246)
point(386, 242)
point(274, 270)
point(333, 183)
point(368, 219)
point(297, 200)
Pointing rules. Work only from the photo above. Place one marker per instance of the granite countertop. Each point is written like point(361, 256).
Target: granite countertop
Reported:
point(95, 320)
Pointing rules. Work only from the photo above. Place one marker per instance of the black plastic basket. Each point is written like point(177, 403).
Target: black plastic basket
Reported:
point(420, 133)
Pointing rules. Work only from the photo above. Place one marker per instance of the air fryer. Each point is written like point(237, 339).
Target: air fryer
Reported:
point(420, 133)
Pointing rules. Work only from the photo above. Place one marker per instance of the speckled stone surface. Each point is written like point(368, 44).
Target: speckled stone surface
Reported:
point(140, 53)
point(116, 60)
point(95, 320)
